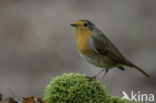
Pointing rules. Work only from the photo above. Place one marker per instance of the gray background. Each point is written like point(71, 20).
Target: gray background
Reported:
point(37, 42)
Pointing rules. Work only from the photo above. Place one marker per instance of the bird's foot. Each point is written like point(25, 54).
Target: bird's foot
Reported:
point(97, 86)
point(91, 78)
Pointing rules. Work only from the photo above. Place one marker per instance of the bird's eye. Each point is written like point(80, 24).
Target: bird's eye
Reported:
point(85, 25)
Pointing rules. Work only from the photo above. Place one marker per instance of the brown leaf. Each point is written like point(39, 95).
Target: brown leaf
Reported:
point(33, 99)
point(1, 97)
point(8, 100)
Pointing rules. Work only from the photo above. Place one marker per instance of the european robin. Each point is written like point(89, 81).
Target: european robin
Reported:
point(98, 50)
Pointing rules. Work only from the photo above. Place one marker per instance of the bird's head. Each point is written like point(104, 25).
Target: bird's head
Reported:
point(83, 26)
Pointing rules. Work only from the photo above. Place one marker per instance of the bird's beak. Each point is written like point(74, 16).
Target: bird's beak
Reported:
point(74, 25)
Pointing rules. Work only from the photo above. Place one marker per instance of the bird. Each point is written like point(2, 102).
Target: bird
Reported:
point(93, 45)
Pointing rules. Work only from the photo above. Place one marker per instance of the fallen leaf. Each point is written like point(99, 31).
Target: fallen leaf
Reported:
point(33, 99)
point(1, 97)
point(8, 100)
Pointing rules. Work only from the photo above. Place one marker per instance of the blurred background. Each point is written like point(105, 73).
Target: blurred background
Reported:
point(38, 43)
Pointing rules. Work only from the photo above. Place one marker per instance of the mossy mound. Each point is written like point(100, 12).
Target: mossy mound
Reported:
point(76, 88)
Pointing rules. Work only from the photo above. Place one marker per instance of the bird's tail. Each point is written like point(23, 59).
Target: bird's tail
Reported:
point(136, 67)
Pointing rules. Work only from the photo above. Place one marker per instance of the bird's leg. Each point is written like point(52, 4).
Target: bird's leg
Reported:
point(106, 71)
point(94, 77)
point(98, 74)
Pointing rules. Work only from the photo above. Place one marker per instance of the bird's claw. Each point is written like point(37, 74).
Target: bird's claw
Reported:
point(97, 86)
point(91, 78)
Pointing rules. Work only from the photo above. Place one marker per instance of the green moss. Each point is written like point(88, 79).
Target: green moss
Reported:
point(76, 88)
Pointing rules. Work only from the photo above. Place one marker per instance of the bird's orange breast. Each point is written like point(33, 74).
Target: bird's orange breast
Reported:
point(82, 39)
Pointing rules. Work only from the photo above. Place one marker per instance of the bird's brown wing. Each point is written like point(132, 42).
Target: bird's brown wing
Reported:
point(102, 45)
